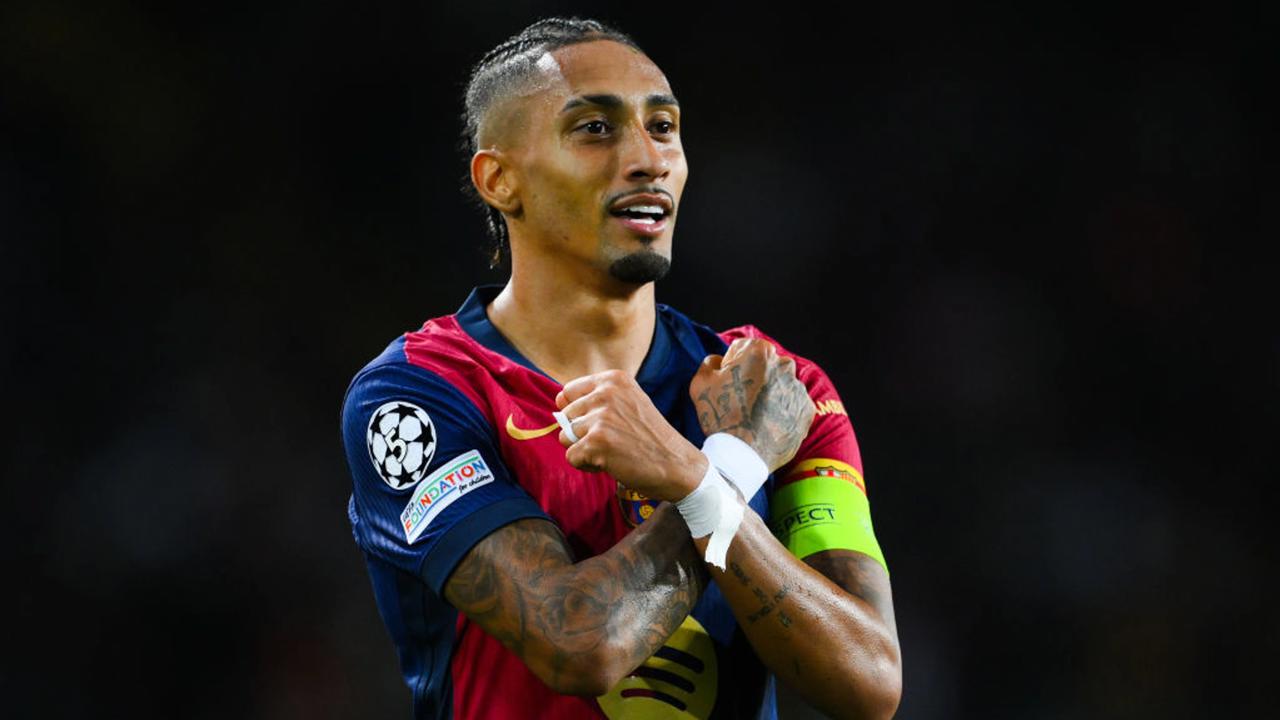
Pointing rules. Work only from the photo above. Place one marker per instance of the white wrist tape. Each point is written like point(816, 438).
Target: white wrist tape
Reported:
point(737, 461)
point(712, 509)
point(566, 425)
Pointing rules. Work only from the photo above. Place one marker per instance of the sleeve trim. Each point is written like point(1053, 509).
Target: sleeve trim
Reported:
point(439, 563)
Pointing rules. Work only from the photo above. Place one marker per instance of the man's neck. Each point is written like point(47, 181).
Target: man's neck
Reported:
point(569, 328)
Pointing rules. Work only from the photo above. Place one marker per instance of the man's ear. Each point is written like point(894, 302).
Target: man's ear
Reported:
point(495, 183)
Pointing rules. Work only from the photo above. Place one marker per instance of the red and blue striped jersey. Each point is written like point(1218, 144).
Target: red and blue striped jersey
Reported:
point(449, 436)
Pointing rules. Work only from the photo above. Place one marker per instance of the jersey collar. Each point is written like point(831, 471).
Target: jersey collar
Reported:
point(473, 319)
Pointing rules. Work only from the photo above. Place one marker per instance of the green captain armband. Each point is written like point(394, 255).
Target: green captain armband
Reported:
point(824, 506)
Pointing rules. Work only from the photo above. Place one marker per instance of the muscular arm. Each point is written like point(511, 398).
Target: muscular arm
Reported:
point(824, 625)
point(580, 627)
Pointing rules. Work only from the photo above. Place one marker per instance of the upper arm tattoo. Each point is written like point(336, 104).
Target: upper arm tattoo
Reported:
point(488, 584)
point(520, 584)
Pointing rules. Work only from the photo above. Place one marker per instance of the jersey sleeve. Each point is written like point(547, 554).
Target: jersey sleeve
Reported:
point(428, 482)
point(819, 499)
point(831, 435)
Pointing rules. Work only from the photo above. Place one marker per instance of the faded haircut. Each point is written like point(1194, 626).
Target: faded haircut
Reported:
point(506, 70)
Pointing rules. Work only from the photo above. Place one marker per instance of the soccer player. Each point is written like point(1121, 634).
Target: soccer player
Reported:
point(534, 566)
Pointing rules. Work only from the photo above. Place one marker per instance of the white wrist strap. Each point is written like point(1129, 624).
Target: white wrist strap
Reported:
point(712, 509)
point(737, 461)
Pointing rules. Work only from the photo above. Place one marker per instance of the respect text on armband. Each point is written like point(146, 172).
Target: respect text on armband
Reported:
point(805, 516)
point(441, 489)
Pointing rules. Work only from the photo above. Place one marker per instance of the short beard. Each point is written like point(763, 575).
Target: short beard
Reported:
point(641, 267)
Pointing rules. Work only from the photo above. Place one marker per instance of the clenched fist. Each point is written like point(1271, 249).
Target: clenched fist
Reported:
point(620, 432)
point(753, 394)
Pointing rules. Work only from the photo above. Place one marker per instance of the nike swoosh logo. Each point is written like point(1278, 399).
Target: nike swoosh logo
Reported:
point(521, 434)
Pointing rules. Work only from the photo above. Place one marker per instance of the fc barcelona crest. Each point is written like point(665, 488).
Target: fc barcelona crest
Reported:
point(636, 508)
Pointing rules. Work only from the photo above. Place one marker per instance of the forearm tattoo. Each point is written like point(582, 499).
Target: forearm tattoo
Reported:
point(769, 601)
point(520, 584)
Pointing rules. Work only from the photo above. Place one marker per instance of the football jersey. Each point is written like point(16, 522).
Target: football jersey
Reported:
point(449, 436)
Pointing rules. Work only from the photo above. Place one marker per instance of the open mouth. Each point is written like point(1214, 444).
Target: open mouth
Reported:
point(642, 214)
point(646, 214)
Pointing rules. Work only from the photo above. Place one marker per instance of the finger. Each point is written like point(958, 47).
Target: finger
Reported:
point(706, 371)
point(788, 366)
point(575, 389)
point(758, 348)
point(583, 456)
point(735, 348)
point(581, 425)
point(750, 356)
point(748, 347)
point(586, 384)
point(584, 405)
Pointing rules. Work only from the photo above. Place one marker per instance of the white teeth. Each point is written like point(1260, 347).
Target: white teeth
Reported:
point(644, 221)
point(646, 209)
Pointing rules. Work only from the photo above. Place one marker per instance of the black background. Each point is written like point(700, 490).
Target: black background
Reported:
point(1018, 239)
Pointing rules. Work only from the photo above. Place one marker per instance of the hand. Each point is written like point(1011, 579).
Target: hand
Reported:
point(620, 432)
point(753, 394)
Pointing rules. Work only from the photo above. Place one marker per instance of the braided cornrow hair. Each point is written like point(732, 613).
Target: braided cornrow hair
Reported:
point(507, 67)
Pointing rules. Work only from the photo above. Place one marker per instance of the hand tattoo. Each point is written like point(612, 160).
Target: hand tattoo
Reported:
point(755, 396)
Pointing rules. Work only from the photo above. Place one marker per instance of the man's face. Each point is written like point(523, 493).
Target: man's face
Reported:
point(600, 162)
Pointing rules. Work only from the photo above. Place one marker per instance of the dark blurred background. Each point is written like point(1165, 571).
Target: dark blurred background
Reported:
point(1019, 240)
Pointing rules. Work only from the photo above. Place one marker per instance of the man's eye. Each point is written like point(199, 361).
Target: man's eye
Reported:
point(595, 127)
point(663, 127)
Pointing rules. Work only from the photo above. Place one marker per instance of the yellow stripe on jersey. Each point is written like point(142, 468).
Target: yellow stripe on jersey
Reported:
point(679, 682)
point(825, 467)
point(821, 512)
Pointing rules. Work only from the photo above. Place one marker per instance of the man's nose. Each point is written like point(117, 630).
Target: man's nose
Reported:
point(643, 159)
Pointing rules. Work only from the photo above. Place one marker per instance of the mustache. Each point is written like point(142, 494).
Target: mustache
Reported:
point(646, 190)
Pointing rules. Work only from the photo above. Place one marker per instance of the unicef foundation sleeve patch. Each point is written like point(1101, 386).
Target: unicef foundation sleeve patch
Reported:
point(446, 486)
point(427, 480)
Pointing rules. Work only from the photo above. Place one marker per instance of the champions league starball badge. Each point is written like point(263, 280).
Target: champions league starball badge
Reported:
point(401, 443)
